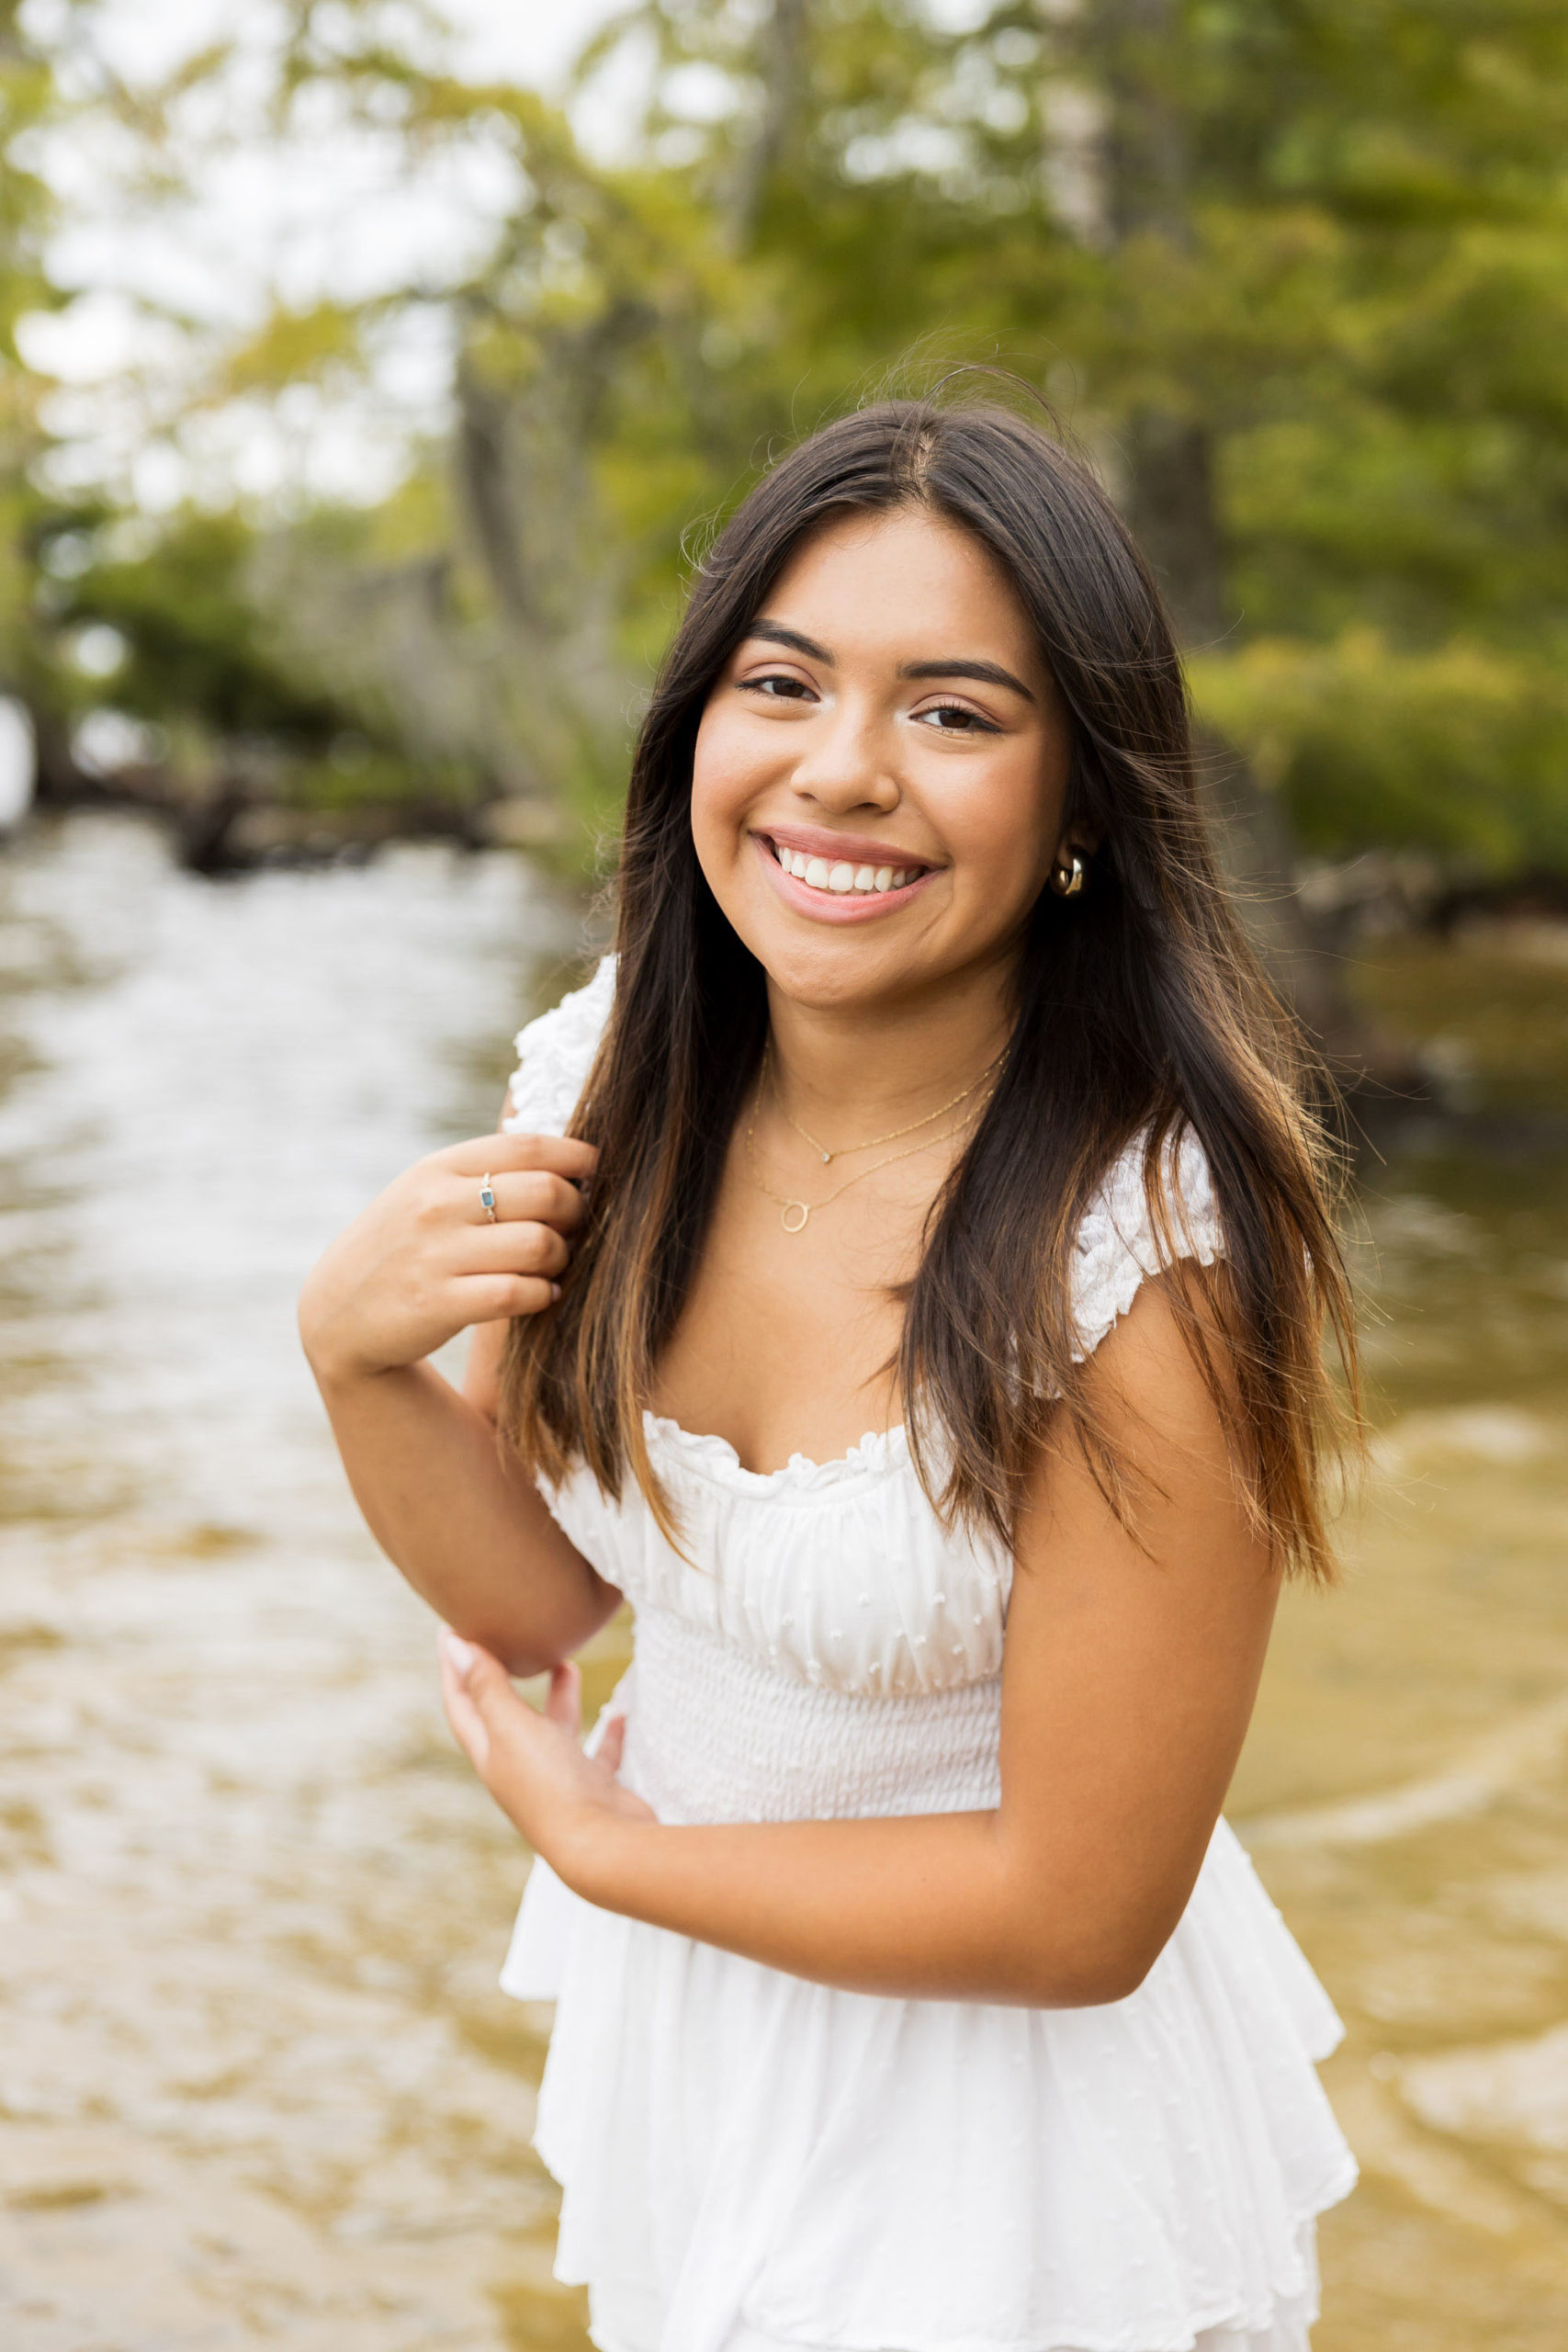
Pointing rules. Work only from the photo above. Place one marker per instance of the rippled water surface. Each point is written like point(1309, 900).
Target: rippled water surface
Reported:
point(256, 2084)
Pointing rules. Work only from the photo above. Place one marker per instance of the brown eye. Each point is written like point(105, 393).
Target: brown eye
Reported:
point(956, 719)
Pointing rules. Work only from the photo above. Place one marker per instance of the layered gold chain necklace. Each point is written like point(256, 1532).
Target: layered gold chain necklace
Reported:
point(794, 1214)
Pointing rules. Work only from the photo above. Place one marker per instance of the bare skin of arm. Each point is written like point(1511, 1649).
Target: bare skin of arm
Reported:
point(1130, 1673)
point(447, 1501)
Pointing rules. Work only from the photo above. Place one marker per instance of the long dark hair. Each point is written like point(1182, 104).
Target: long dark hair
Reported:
point(1141, 1010)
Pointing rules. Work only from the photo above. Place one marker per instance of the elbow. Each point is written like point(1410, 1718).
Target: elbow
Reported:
point(521, 1661)
point(1113, 1976)
point(521, 1666)
point(522, 1657)
point(1074, 1932)
point(525, 1652)
point(1088, 1968)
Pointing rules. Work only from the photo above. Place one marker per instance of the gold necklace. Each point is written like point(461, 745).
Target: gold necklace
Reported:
point(794, 1214)
point(846, 1150)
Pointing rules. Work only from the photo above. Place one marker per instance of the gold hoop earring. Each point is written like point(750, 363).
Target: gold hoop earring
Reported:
point(1070, 877)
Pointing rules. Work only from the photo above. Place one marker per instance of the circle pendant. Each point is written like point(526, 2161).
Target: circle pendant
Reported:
point(792, 1215)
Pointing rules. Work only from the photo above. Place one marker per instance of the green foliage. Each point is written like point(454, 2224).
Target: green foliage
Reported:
point(1462, 751)
point(195, 644)
point(1324, 240)
point(27, 101)
point(1361, 298)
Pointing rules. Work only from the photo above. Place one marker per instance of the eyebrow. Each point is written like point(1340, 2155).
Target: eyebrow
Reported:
point(777, 634)
point(986, 673)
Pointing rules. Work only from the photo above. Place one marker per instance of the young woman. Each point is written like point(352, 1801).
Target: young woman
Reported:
point(912, 1995)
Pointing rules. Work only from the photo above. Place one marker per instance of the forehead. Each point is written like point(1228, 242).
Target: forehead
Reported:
point(907, 584)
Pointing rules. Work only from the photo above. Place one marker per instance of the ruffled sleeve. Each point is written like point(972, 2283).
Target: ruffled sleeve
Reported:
point(554, 1056)
point(1118, 1247)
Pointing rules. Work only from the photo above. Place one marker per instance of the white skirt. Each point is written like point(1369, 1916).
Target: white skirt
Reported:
point(751, 2162)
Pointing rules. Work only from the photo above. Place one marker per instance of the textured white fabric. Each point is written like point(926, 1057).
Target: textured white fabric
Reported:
point(753, 2163)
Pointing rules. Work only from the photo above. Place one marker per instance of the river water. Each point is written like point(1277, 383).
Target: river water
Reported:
point(256, 2083)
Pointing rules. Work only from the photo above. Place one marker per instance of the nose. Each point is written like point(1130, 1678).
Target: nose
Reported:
point(846, 760)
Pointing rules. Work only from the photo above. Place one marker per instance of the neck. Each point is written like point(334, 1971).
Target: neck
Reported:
point(845, 1067)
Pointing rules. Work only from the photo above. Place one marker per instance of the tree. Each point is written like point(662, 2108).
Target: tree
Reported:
point(1298, 267)
point(29, 101)
point(1292, 270)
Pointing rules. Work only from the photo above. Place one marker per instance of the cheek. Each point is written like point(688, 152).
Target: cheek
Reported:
point(722, 788)
point(1003, 831)
point(722, 779)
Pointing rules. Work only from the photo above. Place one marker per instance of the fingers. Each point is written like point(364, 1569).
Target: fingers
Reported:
point(510, 1250)
point(525, 1194)
point(612, 1745)
point(481, 1705)
point(507, 1155)
point(479, 1670)
point(564, 1705)
point(468, 1726)
point(496, 1298)
point(480, 1686)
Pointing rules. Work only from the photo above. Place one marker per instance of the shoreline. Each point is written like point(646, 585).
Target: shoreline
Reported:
point(239, 827)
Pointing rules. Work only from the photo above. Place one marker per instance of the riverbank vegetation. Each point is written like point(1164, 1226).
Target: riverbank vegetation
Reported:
point(1292, 273)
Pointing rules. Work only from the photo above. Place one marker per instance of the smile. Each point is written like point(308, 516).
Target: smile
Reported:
point(842, 874)
point(840, 888)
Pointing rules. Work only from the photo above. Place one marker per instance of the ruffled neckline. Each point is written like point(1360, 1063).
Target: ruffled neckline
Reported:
point(877, 1454)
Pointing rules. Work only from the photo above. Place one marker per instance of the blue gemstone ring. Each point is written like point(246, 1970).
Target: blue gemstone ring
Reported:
point(487, 1198)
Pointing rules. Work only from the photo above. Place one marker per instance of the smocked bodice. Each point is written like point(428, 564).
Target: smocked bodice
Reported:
point(836, 1574)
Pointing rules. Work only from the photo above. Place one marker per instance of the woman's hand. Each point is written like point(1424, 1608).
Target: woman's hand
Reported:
point(532, 1764)
point(425, 1262)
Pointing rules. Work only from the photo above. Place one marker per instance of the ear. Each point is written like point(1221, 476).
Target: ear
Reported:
point(1083, 838)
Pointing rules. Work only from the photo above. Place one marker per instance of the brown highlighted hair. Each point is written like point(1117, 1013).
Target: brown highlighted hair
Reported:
point(1141, 1010)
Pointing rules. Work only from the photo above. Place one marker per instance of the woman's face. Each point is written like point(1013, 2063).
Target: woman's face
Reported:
point(881, 768)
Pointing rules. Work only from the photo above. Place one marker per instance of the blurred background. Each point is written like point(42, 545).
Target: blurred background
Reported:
point(369, 379)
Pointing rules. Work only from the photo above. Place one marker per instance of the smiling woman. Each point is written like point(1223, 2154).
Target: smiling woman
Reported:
point(903, 1277)
point(951, 741)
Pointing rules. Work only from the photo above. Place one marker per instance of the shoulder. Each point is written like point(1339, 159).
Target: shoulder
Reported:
point(555, 1054)
point(1148, 1213)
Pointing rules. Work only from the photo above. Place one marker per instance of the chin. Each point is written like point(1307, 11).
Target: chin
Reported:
point(833, 973)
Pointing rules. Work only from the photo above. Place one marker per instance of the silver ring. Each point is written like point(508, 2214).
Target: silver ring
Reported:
point(487, 1197)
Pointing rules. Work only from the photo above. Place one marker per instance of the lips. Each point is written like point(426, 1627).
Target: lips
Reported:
point(839, 878)
point(844, 875)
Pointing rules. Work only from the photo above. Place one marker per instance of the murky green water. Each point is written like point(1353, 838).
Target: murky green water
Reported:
point(1405, 1788)
point(256, 2085)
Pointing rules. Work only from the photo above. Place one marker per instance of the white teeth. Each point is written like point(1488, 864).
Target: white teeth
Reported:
point(841, 876)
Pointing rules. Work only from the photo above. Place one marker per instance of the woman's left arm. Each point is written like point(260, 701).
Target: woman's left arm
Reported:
point(1130, 1671)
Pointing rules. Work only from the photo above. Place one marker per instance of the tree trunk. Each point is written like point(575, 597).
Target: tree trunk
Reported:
point(522, 452)
point(1132, 47)
point(1171, 508)
point(781, 68)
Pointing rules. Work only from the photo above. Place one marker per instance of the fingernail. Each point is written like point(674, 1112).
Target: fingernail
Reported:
point(460, 1652)
point(554, 1291)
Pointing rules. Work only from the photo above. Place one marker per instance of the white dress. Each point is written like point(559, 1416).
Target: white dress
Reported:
point(751, 2162)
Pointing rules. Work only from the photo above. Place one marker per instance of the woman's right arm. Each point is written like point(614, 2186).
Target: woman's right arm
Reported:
point(451, 1506)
